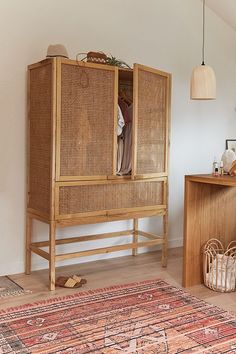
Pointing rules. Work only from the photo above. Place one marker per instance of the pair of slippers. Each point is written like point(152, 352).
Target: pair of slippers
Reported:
point(75, 281)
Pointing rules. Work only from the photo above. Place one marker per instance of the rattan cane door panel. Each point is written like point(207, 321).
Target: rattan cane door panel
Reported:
point(100, 198)
point(40, 109)
point(151, 102)
point(87, 108)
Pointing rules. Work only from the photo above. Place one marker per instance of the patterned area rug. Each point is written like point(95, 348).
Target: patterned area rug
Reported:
point(148, 317)
point(9, 288)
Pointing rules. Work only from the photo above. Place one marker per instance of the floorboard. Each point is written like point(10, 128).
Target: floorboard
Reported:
point(103, 273)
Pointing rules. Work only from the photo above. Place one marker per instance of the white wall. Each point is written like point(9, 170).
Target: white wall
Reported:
point(165, 34)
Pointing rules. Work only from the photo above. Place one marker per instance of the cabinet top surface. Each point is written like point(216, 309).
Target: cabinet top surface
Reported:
point(225, 180)
point(97, 66)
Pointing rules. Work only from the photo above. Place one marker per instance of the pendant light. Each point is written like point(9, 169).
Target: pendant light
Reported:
point(203, 81)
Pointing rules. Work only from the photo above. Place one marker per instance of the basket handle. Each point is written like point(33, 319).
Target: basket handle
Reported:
point(232, 244)
point(231, 252)
point(213, 243)
point(78, 54)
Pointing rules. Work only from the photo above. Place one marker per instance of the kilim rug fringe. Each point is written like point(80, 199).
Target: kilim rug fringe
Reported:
point(71, 297)
point(9, 287)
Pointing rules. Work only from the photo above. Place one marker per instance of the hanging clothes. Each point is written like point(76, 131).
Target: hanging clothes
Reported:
point(124, 107)
point(126, 165)
point(120, 121)
point(120, 151)
point(120, 139)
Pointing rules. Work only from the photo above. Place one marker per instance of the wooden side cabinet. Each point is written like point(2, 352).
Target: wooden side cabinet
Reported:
point(72, 154)
point(209, 212)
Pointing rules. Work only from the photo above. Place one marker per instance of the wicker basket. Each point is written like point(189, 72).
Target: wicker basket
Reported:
point(219, 266)
point(96, 57)
point(93, 57)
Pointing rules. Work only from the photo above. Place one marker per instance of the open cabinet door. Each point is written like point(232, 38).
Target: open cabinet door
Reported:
point(151, 122)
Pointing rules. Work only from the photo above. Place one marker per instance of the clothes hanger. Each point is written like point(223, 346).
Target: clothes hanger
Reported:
point(123, 95)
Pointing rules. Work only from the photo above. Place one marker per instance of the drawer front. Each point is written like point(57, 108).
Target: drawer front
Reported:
point(102, 198)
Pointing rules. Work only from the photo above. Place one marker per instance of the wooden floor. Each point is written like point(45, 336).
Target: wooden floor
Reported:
point(121, 270)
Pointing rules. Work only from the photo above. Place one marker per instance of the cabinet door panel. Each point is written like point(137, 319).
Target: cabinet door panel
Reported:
point(40, 111)
point(151, 110)
point(100, 198)
point(87, 109)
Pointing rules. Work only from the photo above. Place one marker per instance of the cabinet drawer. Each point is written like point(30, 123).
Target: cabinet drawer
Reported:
point(102, 198)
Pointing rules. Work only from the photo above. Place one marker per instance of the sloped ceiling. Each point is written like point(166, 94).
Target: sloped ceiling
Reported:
point(226, 9)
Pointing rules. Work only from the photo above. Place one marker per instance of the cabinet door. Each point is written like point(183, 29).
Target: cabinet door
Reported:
point(151, 116)
point(87, 107)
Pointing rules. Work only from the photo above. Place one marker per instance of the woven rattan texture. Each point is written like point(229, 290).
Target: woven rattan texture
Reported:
point(87, 121)
point(151, 133)
point(40, 109)
point(86, 198)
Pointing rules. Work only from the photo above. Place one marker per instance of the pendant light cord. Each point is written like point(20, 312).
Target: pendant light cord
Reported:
point(203, 32)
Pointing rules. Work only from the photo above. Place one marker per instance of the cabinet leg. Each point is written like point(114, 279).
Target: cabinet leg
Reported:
point(164, 245)
point(52, 272)
point(28, 240)
point(135, 236)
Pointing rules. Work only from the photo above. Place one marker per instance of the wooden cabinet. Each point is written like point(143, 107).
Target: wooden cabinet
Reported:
point(72, 152)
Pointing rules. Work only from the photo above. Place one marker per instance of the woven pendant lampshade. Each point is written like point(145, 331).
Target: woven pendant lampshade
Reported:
point(203, 80)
